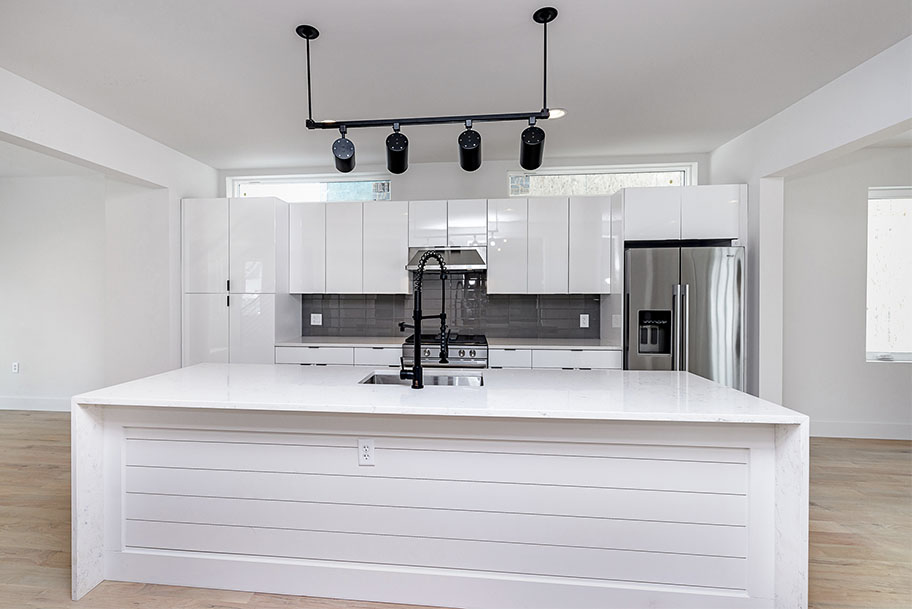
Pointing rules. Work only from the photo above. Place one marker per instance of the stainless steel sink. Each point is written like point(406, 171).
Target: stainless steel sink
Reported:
point(455, 379)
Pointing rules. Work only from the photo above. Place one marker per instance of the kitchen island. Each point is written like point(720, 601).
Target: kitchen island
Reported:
point(539, 489)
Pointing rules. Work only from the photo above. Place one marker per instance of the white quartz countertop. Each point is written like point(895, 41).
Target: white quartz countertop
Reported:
point(526, 394)
point(494, 343)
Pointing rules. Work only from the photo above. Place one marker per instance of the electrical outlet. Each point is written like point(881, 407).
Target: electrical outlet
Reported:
point(584, 320)
point(365, 452)
point(316, 319)
point(15, 367)
point(616, 321)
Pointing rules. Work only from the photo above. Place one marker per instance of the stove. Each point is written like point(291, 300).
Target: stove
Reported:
point(464, 351)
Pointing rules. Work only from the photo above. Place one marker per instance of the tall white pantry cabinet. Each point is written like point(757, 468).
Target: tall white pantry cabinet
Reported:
point(234, 255)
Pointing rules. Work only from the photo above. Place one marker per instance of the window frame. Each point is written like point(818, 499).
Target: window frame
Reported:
point(690, 169)
point(233, 183)
point(880, 193)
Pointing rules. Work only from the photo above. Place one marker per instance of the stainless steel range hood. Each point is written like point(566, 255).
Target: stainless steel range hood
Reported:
point(456, 258)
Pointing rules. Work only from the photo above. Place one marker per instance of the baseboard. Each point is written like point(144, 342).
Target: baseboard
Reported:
point(22, 402)
point(859, 429)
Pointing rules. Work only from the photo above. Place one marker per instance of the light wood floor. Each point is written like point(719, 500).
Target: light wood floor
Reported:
point(860, 554)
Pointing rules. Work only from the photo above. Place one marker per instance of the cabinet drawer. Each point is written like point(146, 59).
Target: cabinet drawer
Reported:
point(314, 355)
point(510, 358)
point(377, 356)
point(577, 358)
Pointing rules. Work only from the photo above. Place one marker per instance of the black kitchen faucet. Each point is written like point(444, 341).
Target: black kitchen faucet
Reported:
point(416, 374)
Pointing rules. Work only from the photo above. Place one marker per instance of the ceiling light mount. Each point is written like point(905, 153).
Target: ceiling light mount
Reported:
point(469, 140)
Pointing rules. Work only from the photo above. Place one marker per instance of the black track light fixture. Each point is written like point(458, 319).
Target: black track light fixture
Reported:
point(344, 152)
point(532, 141)
point(531, 146)
point(396, 151)
point(469, 148)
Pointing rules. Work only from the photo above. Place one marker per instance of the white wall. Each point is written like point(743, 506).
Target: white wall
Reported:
point(867, 103)
point(137, 276)
point(52, 313)
point(825, 372)
point(36, 118)
point(449, 181)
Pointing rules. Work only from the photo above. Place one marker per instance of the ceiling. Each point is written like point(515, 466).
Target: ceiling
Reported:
point(224, 82)
point(19, 162)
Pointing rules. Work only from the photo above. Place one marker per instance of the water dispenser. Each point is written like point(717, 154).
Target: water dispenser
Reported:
point(654, 336)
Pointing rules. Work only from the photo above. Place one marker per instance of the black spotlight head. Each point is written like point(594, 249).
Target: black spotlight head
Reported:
point(531, 147)
point(396, 152)
point(344, 152)
point(470, 149)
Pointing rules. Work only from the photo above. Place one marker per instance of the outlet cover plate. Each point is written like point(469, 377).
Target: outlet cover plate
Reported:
point(584, 320)
point(316, 319)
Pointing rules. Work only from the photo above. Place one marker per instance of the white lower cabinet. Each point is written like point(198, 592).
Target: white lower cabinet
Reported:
point(315, 355)
point(510, 358)
point(577, 358)
point(377, 356)
point(251, 324)
point(205, 329)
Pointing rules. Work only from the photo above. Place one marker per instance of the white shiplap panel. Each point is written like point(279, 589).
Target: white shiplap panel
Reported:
point(691, 476)
point(451, 524)
point(536, 499)
point(605, 448)
point(647, 567)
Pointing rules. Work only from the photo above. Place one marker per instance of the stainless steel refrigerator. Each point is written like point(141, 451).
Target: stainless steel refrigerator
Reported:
point(685, 311)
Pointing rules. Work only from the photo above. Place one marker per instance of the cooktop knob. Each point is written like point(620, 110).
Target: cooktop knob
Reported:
point(427, 353)
point(472, 353)
point(462, 353)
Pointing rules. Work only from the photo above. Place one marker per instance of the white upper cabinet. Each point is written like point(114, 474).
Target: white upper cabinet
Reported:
point(343, 248)
point(307, 248)
point(467, 222)
point(590, 245)
point(508, 261)
point(548, 245)
point(205, 245)
point(652, 213)
point(255, 224)
point(385, 254)
point(427, 223)
point(711, 212)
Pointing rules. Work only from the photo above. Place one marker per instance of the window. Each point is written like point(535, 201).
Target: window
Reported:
point(889, 296)
point(598, 180)
point(299, 189)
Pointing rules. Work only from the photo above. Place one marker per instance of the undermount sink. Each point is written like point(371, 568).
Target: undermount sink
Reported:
point(455, 379)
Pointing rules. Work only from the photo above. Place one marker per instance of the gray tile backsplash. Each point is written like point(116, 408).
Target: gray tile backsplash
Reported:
point(469, 308)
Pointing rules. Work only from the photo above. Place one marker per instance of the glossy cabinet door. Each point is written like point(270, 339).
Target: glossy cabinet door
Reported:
point(467, 222)
point(205, 329)
point(307, 248)
point(590, 245)
point(251, 322)
point(711, 212)
point(427, 223)
point(343, 248)
point(652, 213)
point(549, 232)
point(508, 260)
point(205, 245)
point(252, 245)
point(385, 249)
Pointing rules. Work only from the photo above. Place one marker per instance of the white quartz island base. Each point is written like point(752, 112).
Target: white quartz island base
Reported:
point(542, 489)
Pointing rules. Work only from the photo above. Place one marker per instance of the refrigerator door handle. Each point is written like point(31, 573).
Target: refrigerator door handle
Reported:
point(685, 346)
point(676, 330)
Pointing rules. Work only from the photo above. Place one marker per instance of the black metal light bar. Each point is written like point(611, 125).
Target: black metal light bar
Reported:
point(543, 16)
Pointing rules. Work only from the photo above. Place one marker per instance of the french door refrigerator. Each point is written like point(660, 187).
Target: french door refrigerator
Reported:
point(685, 311)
